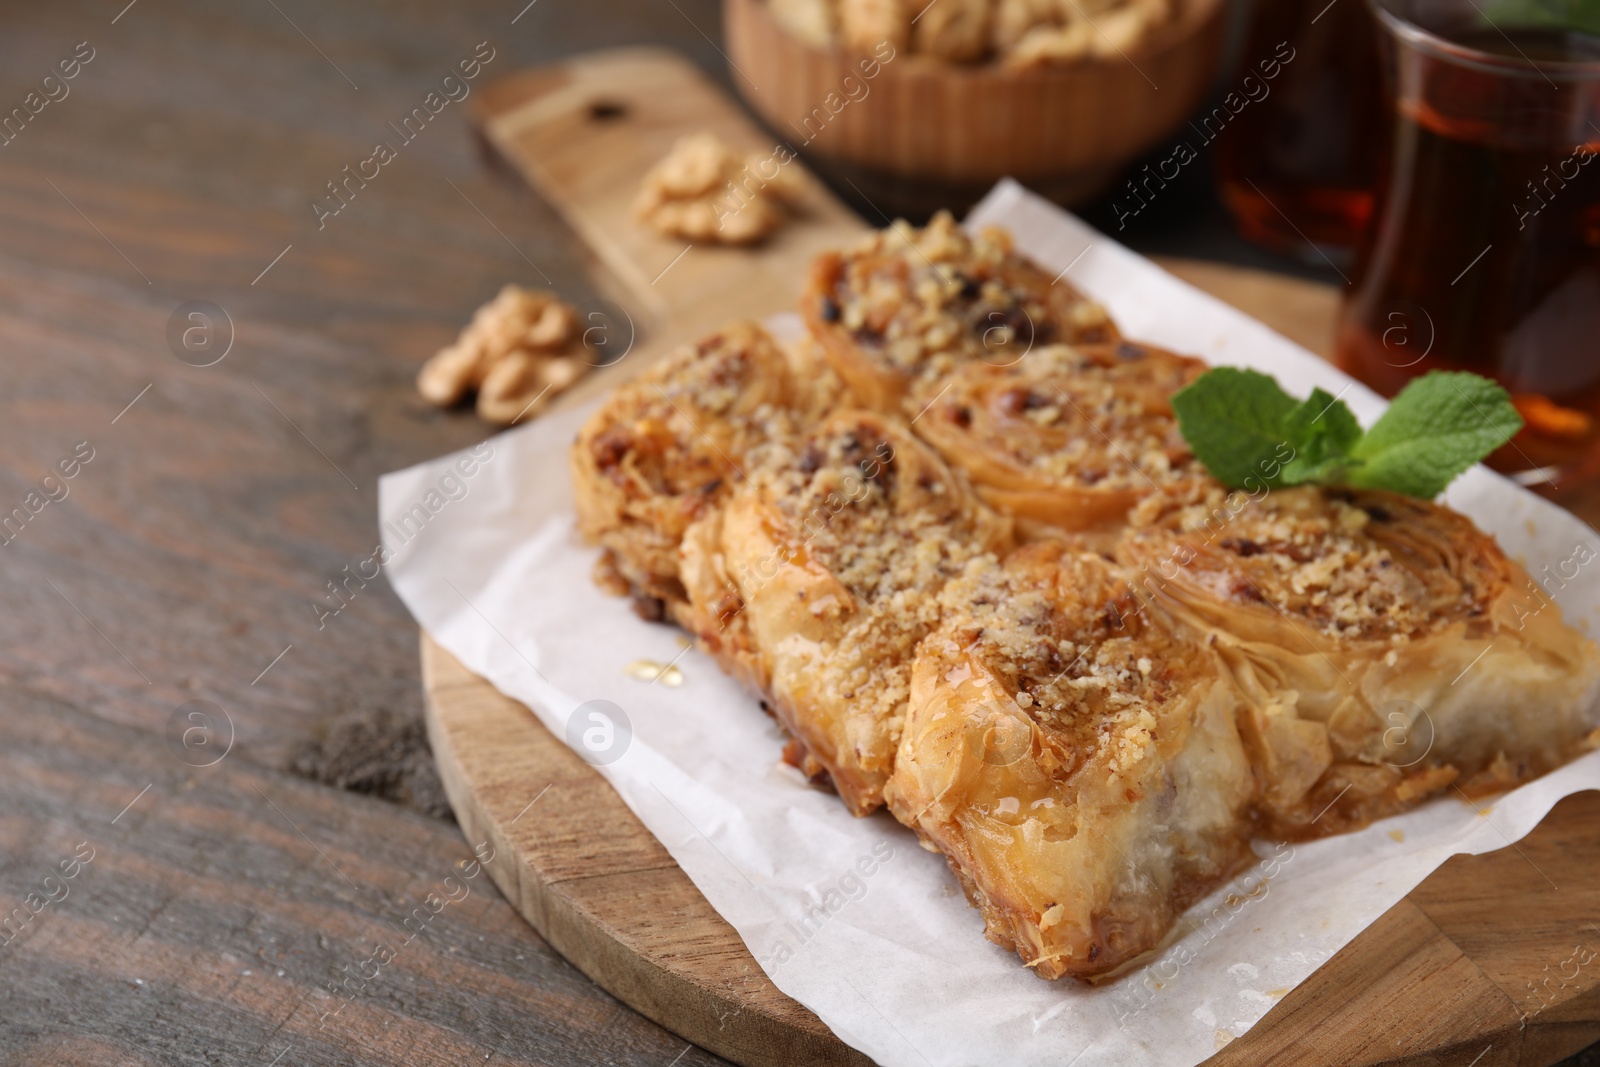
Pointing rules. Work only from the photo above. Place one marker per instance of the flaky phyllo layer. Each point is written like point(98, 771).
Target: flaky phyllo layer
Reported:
point(822, 572)
point(906, 306)
point(1384, 648)
point(667, 448)
point(1092, 726)
point(1068, 437)
point(1075, 757)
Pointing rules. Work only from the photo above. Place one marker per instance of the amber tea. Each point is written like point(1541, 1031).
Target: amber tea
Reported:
point(1485, 250)
point(1296, 171)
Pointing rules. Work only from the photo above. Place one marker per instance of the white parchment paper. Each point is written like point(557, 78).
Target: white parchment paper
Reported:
point(850, 917)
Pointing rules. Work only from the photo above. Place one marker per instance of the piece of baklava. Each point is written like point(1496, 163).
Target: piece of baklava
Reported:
point(668, 446)
point(816, 580)
point(1069, 437)
point(1384, 647)
point(907, 306)
point(1075, 758)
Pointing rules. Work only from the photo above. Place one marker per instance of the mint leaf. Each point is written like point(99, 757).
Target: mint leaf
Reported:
point(1322, 430)
point(1439, 425)
point(1249, 433)
point(1580, 16)
point(1235, 421)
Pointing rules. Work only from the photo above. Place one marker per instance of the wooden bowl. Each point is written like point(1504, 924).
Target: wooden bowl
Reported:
point(924, 130)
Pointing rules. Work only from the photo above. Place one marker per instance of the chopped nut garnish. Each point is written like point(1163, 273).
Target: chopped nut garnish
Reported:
point(908, 305)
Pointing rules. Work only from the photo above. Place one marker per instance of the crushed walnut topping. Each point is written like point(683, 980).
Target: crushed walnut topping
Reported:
point(1075, 415)
point(669, 445)
point(924, 301)
point(878, 540)
point(1070, 641)
point(882, 515)
point(690, 424)
point(1336, 559)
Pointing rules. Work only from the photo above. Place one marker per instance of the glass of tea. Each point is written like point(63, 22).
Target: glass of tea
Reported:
point(1484, 249)
point(1297, 165)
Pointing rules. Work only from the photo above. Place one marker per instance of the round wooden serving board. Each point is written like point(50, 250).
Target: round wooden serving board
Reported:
point(1479, 967)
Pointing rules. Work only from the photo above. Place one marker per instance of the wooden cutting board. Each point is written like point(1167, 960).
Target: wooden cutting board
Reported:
point(1484, 965)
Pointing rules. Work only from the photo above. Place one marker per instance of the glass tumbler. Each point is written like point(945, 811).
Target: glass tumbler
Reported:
point(1296, 172)
point(1484, 252)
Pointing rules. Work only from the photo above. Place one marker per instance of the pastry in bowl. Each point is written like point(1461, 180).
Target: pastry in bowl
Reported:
point(668, 446)
point(1074, 755)
point(819, 577)
point(1384, 648)
point(1069, 437)
point(907, 306)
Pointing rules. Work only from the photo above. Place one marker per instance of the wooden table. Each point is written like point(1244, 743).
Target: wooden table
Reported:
point(240, 790)
point(222, 900)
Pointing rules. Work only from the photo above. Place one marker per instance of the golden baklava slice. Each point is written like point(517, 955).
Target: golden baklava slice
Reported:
point(1073, 754)
point(1068, 437)
point(908, 305)
point(1385, 648)
point(819, 577)
point(668, 446)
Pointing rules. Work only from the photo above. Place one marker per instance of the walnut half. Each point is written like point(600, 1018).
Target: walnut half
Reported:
point(704, 193)
point(517, 353)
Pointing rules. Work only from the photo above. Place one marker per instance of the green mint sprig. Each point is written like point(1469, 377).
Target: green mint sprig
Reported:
point(1572, 16)
point(1251, 434)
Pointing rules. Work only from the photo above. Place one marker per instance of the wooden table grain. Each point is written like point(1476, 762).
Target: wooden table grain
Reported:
point(183, 876)
point(232, 911)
